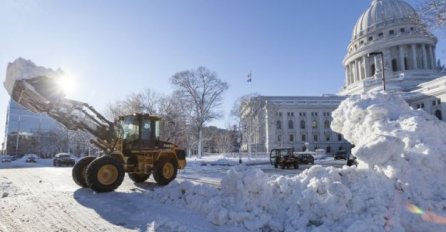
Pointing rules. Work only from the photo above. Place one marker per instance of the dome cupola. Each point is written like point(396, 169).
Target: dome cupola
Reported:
point(383, 13)
point(389, 42)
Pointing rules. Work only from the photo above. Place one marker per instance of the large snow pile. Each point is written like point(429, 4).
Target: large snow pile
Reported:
point(26, 69)
point(401, 154)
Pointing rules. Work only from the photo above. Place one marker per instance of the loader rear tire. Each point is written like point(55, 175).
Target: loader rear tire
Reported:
point(105, 174)
point(165, 171)
point(79, 171)
point(138, 178)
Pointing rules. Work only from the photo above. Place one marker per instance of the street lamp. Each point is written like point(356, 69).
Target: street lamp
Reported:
point(382, 66)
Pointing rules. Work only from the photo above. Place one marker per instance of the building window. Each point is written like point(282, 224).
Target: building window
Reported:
point(434, 103)
point(280, 114)
point(406, 65)
point(327, 137)
point(370, 38)
point(372, 69)
point(290, 124)
point(391, 32)
point(315, 138)
point(303, 138)
point(327, 124)
point(314, 124)
point(438, 102)
point(291, 138)
point(339, 137)
point(438, 114)
point(394, 65)
point(402, 30)
point(328, 149)
point(380, 35)
point(279, 125)
point(302, 124)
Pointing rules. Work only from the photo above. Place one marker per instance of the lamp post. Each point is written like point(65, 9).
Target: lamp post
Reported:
point(382, 66)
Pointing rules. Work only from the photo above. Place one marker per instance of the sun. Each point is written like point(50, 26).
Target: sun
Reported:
point(66, 84)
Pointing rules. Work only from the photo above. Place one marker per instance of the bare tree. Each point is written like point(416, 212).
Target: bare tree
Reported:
point(433, 13)
point(204, 92)
point(174, 124)
point(147, 101)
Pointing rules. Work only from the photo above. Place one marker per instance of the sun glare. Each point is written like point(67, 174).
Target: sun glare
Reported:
point(66, 84)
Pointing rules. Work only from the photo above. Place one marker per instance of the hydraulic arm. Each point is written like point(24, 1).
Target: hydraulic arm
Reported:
point(41, 94)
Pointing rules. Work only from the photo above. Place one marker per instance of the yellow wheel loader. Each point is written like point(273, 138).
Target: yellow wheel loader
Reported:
point(130, 145)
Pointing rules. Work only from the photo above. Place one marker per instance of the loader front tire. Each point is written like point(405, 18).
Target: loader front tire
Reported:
point(165, 171)
point(105, 174)
point(138, 177)
point(79, 171)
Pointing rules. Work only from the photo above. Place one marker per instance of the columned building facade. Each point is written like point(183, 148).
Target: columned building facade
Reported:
point(290, 122)
point(389, 40)
point(389, 47)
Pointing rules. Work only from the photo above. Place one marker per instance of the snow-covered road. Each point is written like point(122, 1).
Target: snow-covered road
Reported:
point(38, 197)
point(46, 199)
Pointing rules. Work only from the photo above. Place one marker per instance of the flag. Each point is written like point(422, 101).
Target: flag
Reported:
point(248, 78)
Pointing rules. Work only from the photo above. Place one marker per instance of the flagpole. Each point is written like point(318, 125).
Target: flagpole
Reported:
point(251, 130)
point(254, 131)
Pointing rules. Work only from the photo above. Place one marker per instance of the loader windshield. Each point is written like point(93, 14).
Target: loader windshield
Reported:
point(130, 128)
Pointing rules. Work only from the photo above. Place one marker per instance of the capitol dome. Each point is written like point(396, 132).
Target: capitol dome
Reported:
point(381, 13)
point(389, 42)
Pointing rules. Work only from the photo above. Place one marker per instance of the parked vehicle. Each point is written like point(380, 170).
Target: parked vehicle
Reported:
point(31, 159)
point(305, 158)
point(63, 159)
point(340, 155)
point(284, 157)
point(7, 159)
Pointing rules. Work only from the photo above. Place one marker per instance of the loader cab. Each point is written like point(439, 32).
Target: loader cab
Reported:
point(139, 132)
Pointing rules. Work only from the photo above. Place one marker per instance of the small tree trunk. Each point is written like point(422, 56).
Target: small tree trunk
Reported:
point(200, 134)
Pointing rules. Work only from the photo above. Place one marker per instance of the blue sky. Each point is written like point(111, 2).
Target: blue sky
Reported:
point(115, 48)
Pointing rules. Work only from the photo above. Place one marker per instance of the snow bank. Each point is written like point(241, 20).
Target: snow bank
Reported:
point(401, 160)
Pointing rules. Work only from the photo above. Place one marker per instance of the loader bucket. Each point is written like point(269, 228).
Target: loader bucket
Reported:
point(32, 86)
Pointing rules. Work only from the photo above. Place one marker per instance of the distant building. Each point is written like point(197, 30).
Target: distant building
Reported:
point(389, 47)
point(28, 132)
point(298, 122)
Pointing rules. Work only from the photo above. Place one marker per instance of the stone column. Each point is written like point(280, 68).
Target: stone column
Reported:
point(366, 66)
point(424, 56)
point(358, 65)
point(354, 71)
point(414, 56)
point(401, 57)
point(432, 57)
point(363, 76)
point(347, 78)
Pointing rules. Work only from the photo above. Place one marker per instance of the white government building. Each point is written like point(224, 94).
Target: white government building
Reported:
point(389, 32)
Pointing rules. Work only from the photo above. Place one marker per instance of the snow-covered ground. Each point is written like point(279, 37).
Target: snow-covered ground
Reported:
point(399, 185)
